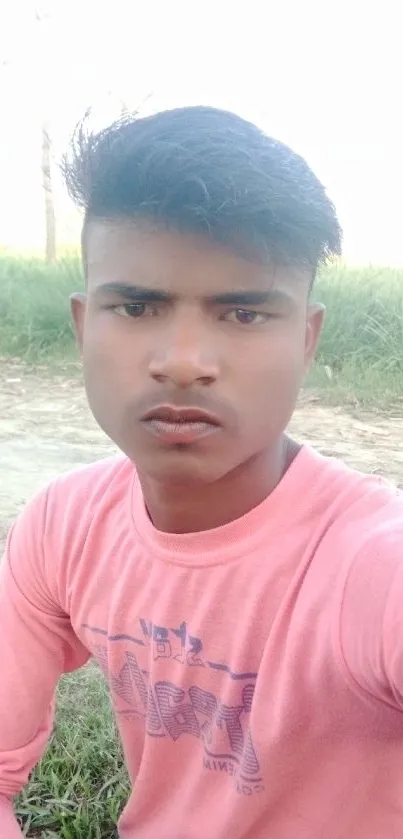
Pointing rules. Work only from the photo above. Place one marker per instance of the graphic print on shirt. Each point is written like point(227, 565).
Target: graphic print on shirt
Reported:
point(170, 711)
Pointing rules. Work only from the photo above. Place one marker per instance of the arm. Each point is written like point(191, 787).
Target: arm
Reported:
point(9, 828)
point(371, 627)
point(37, 645)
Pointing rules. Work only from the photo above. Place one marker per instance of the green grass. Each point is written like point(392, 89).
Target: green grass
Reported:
point(80, 787)
point(34, 307)
point(360, 355)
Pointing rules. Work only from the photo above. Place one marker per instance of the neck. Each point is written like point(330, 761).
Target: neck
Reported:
point(193, 508)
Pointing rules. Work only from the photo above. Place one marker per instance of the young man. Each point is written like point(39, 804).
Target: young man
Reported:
point(243, 595)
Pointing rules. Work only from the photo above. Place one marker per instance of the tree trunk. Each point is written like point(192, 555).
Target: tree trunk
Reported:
point(50, 217)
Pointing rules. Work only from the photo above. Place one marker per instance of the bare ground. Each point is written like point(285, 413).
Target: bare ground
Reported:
point(46, 428)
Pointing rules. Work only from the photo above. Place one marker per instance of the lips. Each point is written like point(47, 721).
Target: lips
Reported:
point(166, 413)
point(180, 425)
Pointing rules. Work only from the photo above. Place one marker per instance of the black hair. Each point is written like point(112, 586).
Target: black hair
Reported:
point(208, 171)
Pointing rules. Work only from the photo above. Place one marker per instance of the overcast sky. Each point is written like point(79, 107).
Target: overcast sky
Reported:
point(324, 77)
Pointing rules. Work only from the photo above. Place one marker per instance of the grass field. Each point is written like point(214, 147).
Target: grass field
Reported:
point(80, 786)
point(361, 352)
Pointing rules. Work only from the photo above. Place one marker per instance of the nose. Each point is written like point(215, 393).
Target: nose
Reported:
point(186, 359)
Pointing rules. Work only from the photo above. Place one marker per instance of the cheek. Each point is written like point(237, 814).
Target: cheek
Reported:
point(274, 363)
point(279, 381)
point(272, 382)
point(109, 354)
point(109, 369)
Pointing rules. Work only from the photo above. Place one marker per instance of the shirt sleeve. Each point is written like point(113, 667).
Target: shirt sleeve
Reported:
point(371, 625)
point(9, 827)
point(37, 645)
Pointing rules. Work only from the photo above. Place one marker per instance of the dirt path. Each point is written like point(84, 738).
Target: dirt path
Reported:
point(46, 428)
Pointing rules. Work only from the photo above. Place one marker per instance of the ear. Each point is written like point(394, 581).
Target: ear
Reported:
point(78, 302)
point(314, 324)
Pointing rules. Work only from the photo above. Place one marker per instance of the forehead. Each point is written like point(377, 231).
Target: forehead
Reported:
point(177, 262)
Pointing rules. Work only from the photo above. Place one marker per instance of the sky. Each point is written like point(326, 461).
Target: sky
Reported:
point(324, 77)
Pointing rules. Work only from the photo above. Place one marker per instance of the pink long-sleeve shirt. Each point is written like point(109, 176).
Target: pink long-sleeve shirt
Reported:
point(256, 670)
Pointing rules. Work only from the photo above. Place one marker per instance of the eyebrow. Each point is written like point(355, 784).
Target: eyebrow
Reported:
point(132, 292)
point(126, 291)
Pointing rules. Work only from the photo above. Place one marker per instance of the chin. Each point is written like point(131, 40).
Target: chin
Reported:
point(179, 469)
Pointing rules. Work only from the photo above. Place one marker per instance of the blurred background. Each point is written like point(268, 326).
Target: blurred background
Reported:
point(323, 77)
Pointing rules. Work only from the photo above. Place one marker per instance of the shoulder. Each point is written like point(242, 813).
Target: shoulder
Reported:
point(90, 484)
point(363, 537)
point(355, 520)
point(48, 537)
point(376, 539)
point(74, 499)
point(352, 498)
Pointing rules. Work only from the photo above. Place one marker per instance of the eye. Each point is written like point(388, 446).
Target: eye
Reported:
point(245, 317)
point(135, 310)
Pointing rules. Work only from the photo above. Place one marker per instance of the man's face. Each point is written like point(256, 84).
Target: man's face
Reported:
point(193, 356)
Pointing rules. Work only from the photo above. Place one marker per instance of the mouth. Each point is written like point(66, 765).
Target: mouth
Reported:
point(180, 425)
